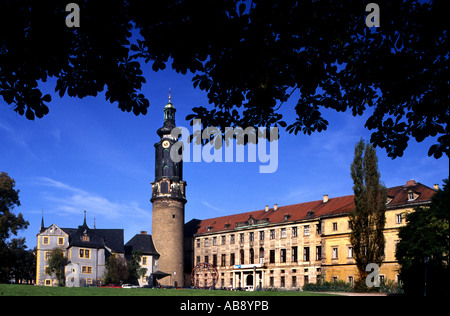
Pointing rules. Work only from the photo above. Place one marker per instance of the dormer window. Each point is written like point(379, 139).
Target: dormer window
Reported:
point(389, 199)
point(412, 195)
point(85, 238)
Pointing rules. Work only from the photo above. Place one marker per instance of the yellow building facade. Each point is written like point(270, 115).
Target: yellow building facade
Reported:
point(289, 246)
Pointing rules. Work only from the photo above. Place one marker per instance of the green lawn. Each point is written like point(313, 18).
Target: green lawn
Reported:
point(30, 290)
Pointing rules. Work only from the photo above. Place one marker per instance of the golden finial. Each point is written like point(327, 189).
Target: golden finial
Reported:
point(170, 95)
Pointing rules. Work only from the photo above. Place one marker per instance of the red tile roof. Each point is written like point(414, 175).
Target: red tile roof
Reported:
point(314, 209)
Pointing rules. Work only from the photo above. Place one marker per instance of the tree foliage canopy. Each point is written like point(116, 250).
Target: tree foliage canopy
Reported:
point(368, 218)
point(57, 264)
point(9, 198)
point(9, 224)
point(249, 56)
point(426, 235)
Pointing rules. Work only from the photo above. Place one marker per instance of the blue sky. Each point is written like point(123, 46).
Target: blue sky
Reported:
point(87, 154)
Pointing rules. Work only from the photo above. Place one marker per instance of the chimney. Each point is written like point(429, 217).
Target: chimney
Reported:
point(410, 183)
point(275, 207)
point(436, 187)
point(325, 198)
point(143, 232)
point(267, 208)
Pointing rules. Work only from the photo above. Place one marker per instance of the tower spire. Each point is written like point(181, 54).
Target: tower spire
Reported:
point(168, 199)
point(42, 222)
point(84, 223)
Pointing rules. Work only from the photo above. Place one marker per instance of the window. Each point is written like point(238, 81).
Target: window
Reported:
point(60, 240)
point(398, 218)
point(46, 241)
point(319, 228)
point(46, 255)
point(261, 255)
point(294, 254)
point(164, 185)
point(283, 233)
point(241, 238)
point(206, 242)
point(198, 259)
point(48, 282)
point(198, 243)
point(214, 260)
point(335, 226)
point(252, 236)
point(272, 256)
point(318, 252)
point(350, 280)
point(88, 280)
point(283, 255)
point(306, 254)
point(411, 196)
point(272, 234)
point(144, 260)
point(224, 240)
point(252, 256)
point(261, 235)
point(294, 231)
point(350, 252)
point(232, 239)
point(85, 253)
point(223, 260)
point(206, 259)
point(242, 256)
point(306, 230)
point(282, 284)
point(214, 241)
point(86, 269)
point(334, 253)
point(85, 238)
point(232, 260)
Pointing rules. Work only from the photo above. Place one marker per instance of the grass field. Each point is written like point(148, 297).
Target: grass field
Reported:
point(30, 290)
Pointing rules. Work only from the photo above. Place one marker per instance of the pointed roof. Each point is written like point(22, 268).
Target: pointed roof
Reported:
point(42, 227)
point(169, 104)
point(83, 236)
point(142, 242)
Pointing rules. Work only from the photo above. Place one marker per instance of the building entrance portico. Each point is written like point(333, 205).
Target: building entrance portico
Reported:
point(248, 276)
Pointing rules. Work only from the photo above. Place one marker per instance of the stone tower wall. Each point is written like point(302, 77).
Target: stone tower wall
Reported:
point(167, 233)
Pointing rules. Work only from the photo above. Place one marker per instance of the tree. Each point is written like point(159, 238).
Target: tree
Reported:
point(9, 222)
point(424, 246)
point(249, 56)
point(57, 264)
point(368, 218)
point(135, 270)
point(22, 261)
point(116, 270)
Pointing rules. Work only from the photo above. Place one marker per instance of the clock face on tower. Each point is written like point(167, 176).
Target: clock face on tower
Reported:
point(166, 144)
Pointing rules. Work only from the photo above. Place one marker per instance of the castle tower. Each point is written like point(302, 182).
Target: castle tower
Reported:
point(168, 199)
